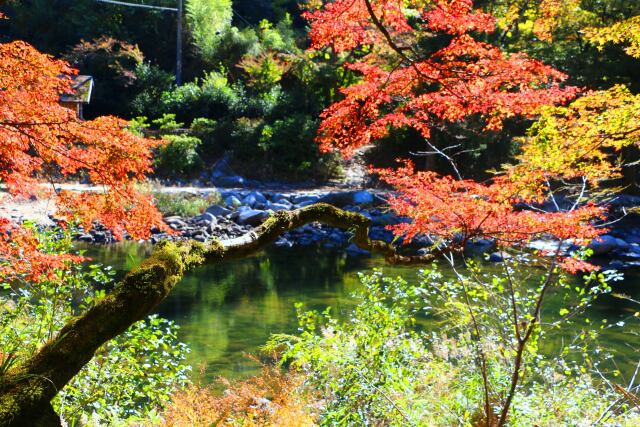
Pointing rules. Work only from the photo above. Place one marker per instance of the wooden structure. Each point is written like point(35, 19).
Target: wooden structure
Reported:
point(83, 87)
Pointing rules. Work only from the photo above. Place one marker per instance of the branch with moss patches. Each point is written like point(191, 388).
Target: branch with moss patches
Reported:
point(27, 389)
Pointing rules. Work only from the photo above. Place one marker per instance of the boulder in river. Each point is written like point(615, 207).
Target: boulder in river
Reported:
point(479, 247)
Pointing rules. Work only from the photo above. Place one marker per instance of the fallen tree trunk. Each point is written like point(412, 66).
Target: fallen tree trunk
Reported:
point(27, 389)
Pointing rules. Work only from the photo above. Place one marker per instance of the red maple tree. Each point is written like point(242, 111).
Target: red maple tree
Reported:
point(405, 85)
point(43, 142)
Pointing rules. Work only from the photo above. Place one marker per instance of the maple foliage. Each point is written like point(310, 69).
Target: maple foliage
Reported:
point(582, 140)
point(465, 78)
point(625, 32)
point(461, 210)
point(404, 85)
point(551, 13)
point(42, 142)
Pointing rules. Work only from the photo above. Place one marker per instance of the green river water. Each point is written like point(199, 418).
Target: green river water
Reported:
point(227, 311)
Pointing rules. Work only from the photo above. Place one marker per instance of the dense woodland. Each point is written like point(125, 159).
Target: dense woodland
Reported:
point(501, 140)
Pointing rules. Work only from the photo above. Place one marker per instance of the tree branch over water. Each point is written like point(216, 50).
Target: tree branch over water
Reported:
point(27, 390)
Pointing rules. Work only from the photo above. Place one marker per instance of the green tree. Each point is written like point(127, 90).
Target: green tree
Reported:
point(208, 20)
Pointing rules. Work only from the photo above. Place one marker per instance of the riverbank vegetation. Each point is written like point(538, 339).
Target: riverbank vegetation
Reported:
point(495, 123)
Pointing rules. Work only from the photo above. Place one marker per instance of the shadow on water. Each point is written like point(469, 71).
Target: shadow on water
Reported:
point(228, 311)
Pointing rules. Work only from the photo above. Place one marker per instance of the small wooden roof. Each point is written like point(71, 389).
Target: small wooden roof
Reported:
point(83, 86)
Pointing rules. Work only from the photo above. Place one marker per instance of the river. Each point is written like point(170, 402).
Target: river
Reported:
point(227, 311)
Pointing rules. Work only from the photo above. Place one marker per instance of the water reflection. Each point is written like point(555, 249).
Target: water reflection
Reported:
point(229, 310)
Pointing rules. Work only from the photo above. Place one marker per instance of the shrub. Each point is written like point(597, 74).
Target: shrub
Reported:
point(211, 97)
point(179, 157)
point(285, 148)
point(129, 377)
point(378, 368)
point(207, 21)
point(269, 399)
point(151, 82)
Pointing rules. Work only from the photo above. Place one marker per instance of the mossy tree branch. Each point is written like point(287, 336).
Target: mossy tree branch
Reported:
point(27, 390)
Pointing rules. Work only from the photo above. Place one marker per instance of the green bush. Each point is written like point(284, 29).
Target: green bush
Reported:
point(285, 147)
point(151, 82)
point(129, 377)
point(381, 368)
point(207, 21)
point(179, 157)
point(212, 97)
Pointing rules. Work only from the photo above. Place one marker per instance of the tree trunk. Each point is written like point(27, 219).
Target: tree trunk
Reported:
point(27, 389)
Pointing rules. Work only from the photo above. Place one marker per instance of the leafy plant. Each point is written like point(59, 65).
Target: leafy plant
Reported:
point(380, 367)
point(208, 20)
point(130, 376)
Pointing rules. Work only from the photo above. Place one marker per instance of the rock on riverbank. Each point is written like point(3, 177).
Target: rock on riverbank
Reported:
point(241, 210)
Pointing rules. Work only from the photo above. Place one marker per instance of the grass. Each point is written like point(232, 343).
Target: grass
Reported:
point(185, 204)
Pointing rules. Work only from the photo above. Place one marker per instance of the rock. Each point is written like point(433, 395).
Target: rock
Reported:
point(307, 199)
point(222, 168)
point(337, 237)
point(200, 237)
point(255, 199)
point(284, 243)
point(424, 251)
point(354, 250)
point(386, 219)
point(217, 210)
point(99, 237)
point(206, 218)
point(363, 197)
point(232, 201)
point(338, 198)
point(175, 222)
point(380, 233)
point(249, 201)
point(604, 244)
point(421, 240)
point(280, 198)
point(496, 257)
point(548, 246)
point(479, 247)
point(306, 203)
point(86, 237)
point(230, 181)
point(258, 196)
point(250, 216)
point(278, 206)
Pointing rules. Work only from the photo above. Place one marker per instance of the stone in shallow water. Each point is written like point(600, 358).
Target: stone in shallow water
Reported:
point(354, 250)
point(479, 247)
